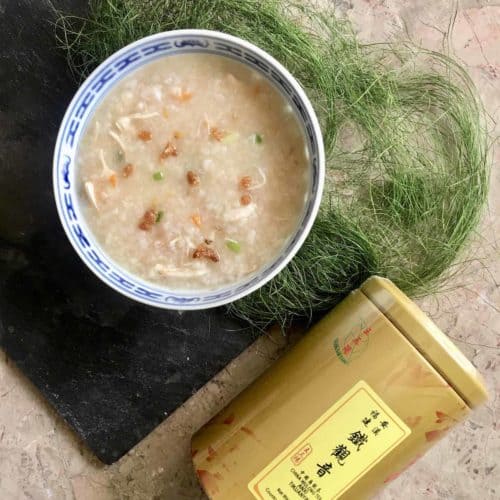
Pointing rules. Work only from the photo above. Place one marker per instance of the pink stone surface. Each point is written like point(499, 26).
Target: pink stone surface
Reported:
point(40, 458)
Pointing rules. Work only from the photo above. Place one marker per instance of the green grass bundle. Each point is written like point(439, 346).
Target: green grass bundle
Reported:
point(407, 168)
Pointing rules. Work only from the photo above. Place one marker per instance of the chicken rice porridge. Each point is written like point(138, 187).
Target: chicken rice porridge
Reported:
point(194, 172)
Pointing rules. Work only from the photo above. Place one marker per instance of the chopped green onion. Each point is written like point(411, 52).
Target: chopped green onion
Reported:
point(258, 139)
point(233, 245)
point(158, 176)
point(230, 138)
point(159, 216)
point(120, 155)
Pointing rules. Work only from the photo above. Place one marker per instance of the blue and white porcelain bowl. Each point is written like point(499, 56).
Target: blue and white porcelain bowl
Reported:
point(78, 115)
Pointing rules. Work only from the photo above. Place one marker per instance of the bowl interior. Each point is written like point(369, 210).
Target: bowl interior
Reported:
point(81, 109)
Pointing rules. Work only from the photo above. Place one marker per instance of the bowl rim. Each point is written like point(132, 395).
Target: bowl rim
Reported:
point(308, 220)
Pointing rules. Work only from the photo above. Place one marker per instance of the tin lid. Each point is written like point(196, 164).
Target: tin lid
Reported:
point(428, 339)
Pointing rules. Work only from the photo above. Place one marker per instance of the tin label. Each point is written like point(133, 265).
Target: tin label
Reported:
point(342, 445)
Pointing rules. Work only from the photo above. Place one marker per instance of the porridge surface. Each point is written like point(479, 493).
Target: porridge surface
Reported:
point(194, 172)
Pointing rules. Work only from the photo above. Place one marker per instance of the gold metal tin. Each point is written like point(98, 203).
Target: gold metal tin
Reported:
point(377, 337)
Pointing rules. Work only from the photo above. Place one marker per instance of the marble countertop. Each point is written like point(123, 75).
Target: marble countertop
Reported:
point(40, 458)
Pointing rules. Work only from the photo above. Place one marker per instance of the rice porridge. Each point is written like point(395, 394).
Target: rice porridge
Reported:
point(194, 172)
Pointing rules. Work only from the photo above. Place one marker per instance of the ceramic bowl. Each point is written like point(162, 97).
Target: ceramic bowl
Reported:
point(81, 109)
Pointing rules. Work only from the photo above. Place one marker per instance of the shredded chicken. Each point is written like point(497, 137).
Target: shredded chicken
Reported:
point(205, 123)
point(89, 189)
point(97, 130)
point(118, 140)
point(124, 122)
point(106, 171)
point(261, 183)
point(240, 213)
point(188, 244)
point(174, 242)
point(157, 92)
point(178, 272)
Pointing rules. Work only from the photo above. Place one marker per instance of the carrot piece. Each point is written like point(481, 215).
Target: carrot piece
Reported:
point(145, 135)
point(245, 182)
point(196, 220)
point(127, 170)
point(246, 199)
point(183, 96)
point(217, 134)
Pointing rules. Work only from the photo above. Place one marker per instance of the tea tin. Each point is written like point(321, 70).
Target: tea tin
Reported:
point(364, 394)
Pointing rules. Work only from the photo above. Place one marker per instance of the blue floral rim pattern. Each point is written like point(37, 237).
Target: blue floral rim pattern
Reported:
point(81, 109)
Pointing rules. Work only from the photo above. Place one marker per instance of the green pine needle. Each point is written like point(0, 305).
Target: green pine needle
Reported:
point(407, 165)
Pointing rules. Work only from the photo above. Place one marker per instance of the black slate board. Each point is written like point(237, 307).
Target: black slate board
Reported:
point(112, 368)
